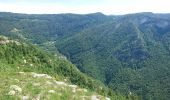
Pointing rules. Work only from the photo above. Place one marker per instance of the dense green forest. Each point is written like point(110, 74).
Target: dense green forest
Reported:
point(18, 56)
point(129, 53)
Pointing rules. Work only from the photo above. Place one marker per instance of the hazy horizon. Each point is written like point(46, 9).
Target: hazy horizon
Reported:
point(80, 13)
point(108, 7)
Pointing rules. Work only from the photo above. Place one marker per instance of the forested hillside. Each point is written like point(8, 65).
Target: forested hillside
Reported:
point(20, 64)
point(129, 53)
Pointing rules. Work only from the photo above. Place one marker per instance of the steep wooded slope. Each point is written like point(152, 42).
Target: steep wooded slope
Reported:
point(27, 71)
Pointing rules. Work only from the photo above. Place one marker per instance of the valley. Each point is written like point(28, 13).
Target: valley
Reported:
point(128, 53)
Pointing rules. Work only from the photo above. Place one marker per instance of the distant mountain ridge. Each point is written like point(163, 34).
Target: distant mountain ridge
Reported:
point(130, 53)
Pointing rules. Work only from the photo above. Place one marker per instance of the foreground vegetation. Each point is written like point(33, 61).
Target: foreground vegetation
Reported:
point(28, 86)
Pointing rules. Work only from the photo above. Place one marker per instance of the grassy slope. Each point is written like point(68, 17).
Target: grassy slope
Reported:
point(40, 88)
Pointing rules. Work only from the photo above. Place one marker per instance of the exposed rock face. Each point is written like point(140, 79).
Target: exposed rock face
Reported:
point(60, 83)
point(25, 97)
point(12, 92)
point(107, 98)
point(35, 75)
point(51, 91)
point(14, 89)
point(5, 40)
point(94, 97)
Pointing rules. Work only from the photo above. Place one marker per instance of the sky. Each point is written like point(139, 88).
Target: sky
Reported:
point(108, 7)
